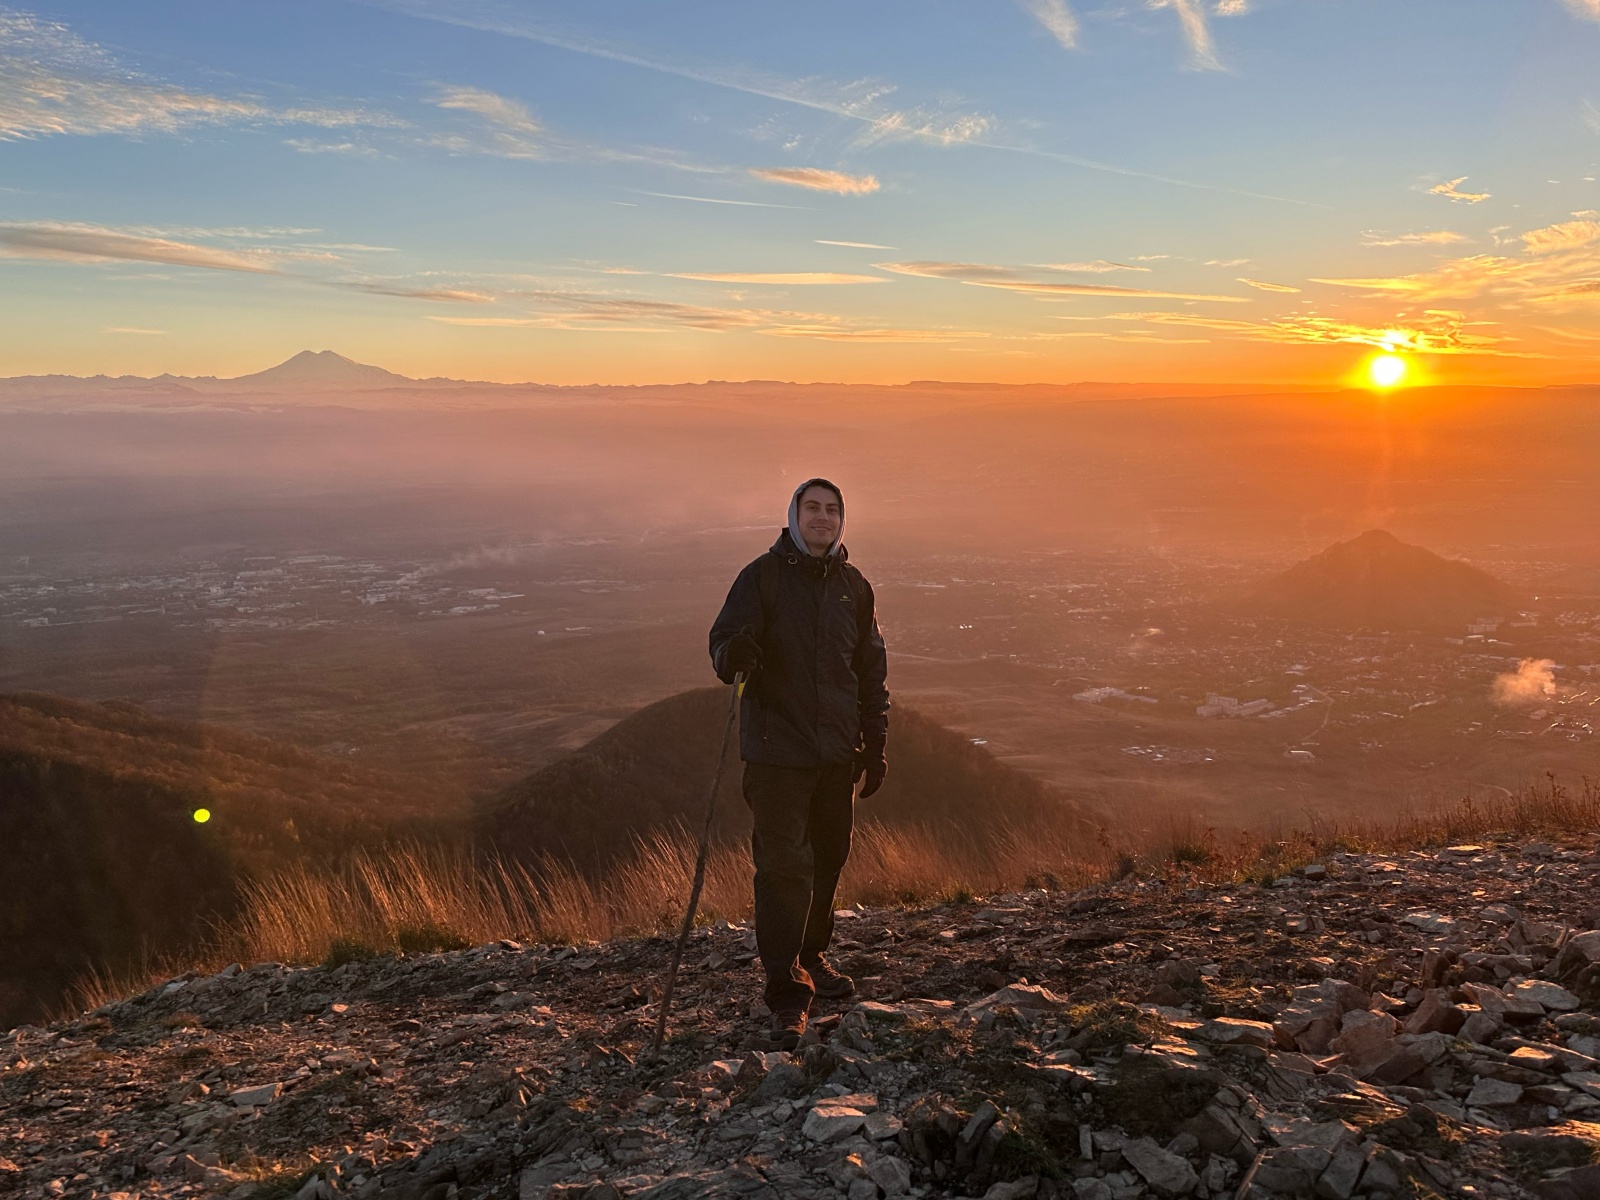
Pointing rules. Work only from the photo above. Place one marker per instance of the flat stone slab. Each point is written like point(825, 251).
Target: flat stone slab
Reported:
point(832, 1122)
point(1551, 995)
point(1235, 1031)
point(256, 1097)
point(1493, 1093)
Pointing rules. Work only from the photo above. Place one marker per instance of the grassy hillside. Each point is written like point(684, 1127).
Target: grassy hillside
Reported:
point(99, 869)
point(651, 772)
point(102, 862)
point(270, 802)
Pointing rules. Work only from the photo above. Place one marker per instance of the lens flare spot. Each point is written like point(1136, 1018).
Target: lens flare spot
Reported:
point(201, 815)
point(1387, 370)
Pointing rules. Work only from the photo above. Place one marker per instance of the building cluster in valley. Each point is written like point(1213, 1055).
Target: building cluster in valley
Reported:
point(308, 591)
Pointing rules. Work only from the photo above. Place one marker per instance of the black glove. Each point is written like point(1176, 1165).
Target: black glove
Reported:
point(872, 764)
point(742, 655)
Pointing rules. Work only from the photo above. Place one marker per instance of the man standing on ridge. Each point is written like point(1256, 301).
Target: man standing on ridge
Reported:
point(799, 622)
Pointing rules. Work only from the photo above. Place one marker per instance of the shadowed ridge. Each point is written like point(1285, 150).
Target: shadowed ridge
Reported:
point(101, 860)
point(651, 771)
point(1378, 581)
point(97, 869)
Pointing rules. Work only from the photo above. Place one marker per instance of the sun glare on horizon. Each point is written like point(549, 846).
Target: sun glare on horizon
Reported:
point(1387, 371)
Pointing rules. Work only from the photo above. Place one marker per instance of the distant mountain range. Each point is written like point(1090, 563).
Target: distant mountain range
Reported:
point(323, 373)
point(315, 371)
point(1377, 581)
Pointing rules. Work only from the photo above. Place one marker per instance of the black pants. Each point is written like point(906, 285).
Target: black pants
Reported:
point(803, 818)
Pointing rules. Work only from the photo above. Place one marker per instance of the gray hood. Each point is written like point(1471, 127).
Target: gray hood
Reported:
point(794, 516)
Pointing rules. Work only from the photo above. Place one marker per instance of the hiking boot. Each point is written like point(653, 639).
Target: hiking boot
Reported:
point(788, 1027)
point(830, 984)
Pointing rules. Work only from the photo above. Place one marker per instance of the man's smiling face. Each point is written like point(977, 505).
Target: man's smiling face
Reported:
point(821, 516)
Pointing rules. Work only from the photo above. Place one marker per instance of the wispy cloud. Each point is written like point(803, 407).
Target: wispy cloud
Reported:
point(1434, 333)
point(496, 109)
point(782, 278)
point(1009, 279)
point(860, 101)
point(818, 180)
point(98, 244)
point(52, 82)
point(1560, 264)
point(1461, 278)
point(853, 245)
point(313, 146)
point(589, 313)
point(1232, 8)
point(1585, 8)
point(135, 330)
point(1098, 267)
point(1260, 285)
point(715, 200)
point(1192, 17)
point(1451, 190)
point(1568, 235)
point(490, 322)
point(831, 333)
point(1430, 237)
point(863, 101)
point(446, 295)
point(1057, 19)
point(69, 242)
point(510, 128)
point(503, 126)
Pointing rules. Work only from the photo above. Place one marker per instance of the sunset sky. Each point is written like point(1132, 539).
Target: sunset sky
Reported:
point(619, 191)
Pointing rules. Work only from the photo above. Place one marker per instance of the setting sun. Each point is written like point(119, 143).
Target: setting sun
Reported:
point(1387, 370)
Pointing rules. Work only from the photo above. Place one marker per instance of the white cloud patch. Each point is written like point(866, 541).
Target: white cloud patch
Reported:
point(1232, 8)
point(1568, 235)
point(1098, 267)
point(54, 83)
point(1451, 190)
point(1428, 237)
point(853, 245)
point(496, 109)
point(1192, 19)
point(1263, 286)
point(511, 129)
point(1589, 9)
point(136, 330)
point(818, 180)
point(1057, 19)
point(313, 146)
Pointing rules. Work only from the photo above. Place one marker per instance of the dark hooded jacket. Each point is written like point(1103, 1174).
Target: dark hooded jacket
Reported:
point(819, 696)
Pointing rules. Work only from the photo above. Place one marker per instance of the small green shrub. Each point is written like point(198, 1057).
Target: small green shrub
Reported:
point(348, 950)
point(425, 939)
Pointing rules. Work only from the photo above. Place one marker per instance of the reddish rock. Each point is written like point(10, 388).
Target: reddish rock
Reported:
point(1436, 1014)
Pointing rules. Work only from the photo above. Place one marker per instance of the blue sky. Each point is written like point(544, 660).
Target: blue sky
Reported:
point(1055, 190)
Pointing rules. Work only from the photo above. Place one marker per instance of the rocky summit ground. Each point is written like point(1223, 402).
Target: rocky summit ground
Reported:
point(1413, 1026)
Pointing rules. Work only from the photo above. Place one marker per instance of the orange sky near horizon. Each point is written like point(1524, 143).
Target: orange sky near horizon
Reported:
point(1196, 191)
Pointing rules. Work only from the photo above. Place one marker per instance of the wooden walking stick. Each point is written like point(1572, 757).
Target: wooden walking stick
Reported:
point(699, 867)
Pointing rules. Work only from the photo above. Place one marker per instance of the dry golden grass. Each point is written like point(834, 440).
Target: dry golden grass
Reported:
point(416, 898)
